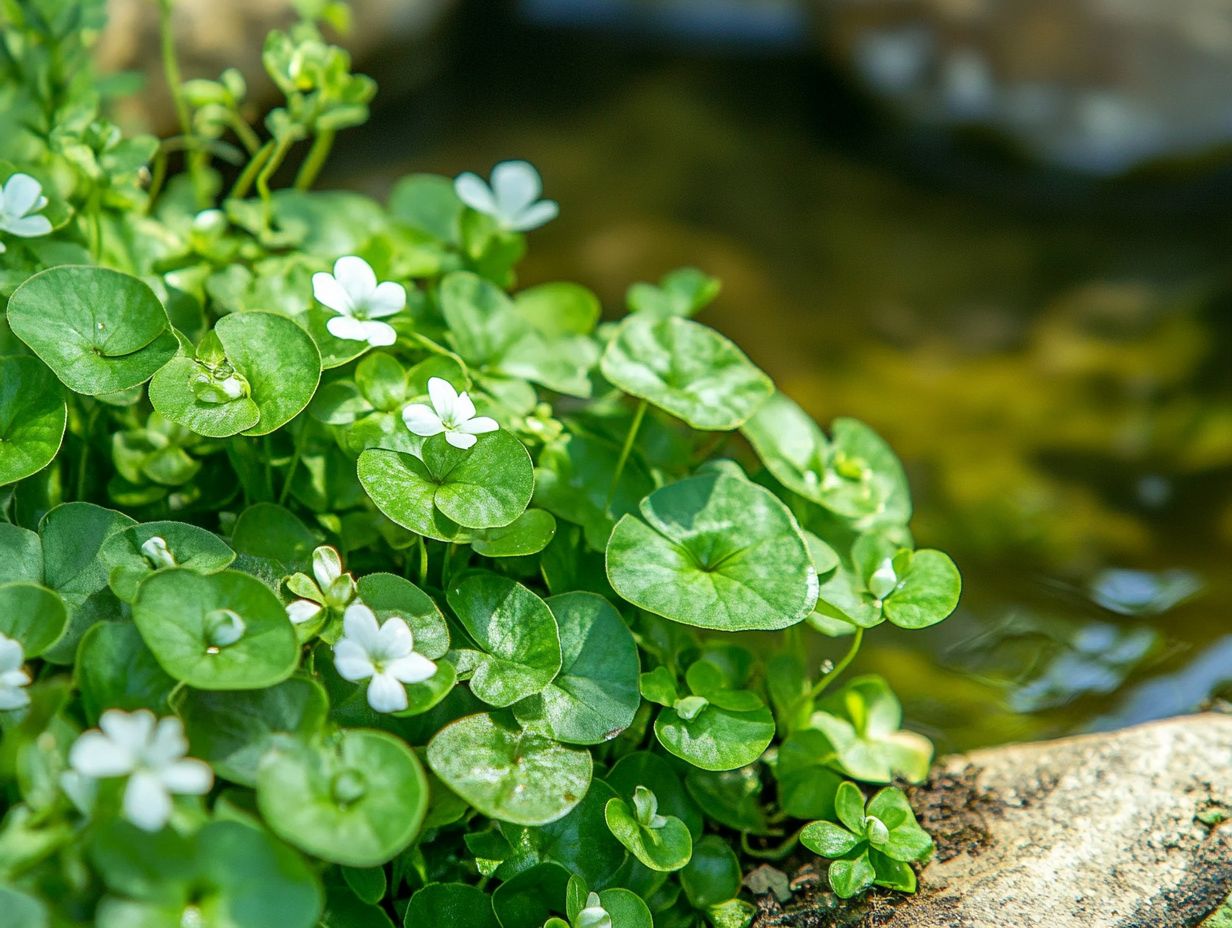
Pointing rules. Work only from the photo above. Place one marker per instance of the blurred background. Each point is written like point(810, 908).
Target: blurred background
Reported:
point(998, 231)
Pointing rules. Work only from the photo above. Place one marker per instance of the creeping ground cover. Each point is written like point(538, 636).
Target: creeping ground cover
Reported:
point(345, 581)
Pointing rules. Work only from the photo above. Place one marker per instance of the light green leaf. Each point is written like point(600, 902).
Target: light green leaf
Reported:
point(595, 695)
point(389, 595)
point(716, 738)
point(279, 360)
point(458, 905)
point(357, 799)
point(642, 768)
point(686, 369)
point(714, 551)
point(508, 773)
point(529, 533)
point(517, 633)
point(851, 877)
point(188, 546)
point(32, 418)
point(861, 722)
point(828, 839)
point(179, 613)
point(663, 844)
point(100, 331)
point(32, 615)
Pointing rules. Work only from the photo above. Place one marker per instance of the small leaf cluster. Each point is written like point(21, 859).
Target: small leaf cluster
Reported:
point(346, 581)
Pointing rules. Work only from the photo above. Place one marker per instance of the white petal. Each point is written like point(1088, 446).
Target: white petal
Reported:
point(472, 191)
point(328, 291)
point(21, 193)
point(444, 397)
point(130, 730)
point(347, 328)
point(167, 745)
point(28, 226)
point(326, 566)
point(535, 216)
point(302, 610)
point(15, 678)
point(188, 777)
point(377, 334)
point(147, 804)
point(359, 624)
point(414, 668)
point(95, 755)
point(356, 277)
point(13, 697)
point(388, 299)
point(463, 408)
point(460, 440)
point(478, 426)
point(12, 655)
point(422, 420)
point(516, 185)
point(352, 661)
point(395, 639)
point(386, 693)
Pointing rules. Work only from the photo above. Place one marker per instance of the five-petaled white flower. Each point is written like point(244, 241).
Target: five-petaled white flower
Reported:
point(450, 412)
point(332, 588)
point(353, 293)
point(150, 752)
point(512, 199)
point(21, 198)
point(13, 677)
point(386, 653)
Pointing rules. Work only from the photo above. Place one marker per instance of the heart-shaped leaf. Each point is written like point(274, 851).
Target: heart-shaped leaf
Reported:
point(279, 360)
point(516, 632)
point(715, 551)
point(653, 771)
point(450, 490)
point(32, 418)
point(171, 544)
point(458, 905)
point(529, 533)
point(716, 738)
point(595, 695)
point(224, 631)
point(100, 331)
point(357, 799)
point(509, 773)
point(660, 842)
point(686, 369)
point(116, 670)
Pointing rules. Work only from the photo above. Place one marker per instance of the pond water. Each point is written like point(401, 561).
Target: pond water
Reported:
point(1052, 359)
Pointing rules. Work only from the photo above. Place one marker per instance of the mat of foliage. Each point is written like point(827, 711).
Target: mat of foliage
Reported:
point(346, 581)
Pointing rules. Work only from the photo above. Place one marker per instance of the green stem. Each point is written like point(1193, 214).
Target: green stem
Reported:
point(317, 155)
point(244, 132)
point(630, 437)
point(297, 451)
point(175, 85)
point(423, 561)
point(269, 467)
point(820, 686)
point(157, 176)
point(281, 147)
point(240, 188)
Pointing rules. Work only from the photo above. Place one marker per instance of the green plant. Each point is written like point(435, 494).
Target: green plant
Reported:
point(343, 581)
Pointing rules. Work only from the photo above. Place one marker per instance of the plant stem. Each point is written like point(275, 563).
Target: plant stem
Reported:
point(317, 155)
point(630, 437)
point(423, 561)
point(281, 147)
point(175, 85)
point(820, 686)
point(240, 188)
point(298, 446)
point(244, 132)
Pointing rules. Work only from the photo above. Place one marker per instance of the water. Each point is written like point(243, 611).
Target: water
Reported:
point(1049, 357)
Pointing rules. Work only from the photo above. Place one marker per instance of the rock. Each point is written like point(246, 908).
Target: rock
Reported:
point(1093, 85)
point(212, 35)
point(1123, 830)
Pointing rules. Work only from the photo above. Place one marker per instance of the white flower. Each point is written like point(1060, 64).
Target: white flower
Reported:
point(20, 199)
point(157, 553)
point(332, 589)
point(150, 753)
point(353, 293)
point(594, 915)
point(884, 580)
point(13, 677)
point(512, 199)
point(385, 653)
point(450, 412)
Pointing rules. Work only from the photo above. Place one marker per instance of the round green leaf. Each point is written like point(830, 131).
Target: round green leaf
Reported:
point(21, 554)
point(521, 650)
point(32, 615)
point(172, 395)
point(828, 839)
point(508, 773)
point(716, 738)
point(907, 840)
point(861, 723)
point(116, 670)
point(279, 359)
point(642, 768)
point(665, 847)
point(177, 609)
point(850, 877)
point(100, 331)
point(389, 595)
point(232, 729)
point(715, 551)
point(358, 799)
point(458, 905)
point(529, 533)
point(927, 592)
point(450, 489)
point(32, 418)
point(595, 695)
point(686, 369)
point(712, 874)
point(191, 547)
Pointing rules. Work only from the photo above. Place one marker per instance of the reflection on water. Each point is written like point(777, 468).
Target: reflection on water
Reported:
point(1055, 374)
